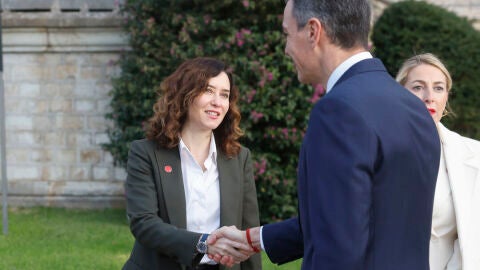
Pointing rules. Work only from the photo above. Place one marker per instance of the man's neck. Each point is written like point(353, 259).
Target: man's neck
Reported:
point(333, 57)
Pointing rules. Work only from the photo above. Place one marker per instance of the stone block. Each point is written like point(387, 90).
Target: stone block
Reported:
point(63, 72)
point(29, 90)
point(23, 138)
point(54, 173)
point(76, 202)
point(41, 106)
point(61, 105)
point(18, 122)
point(85, 89)
point(103, 88)
point(120, 174)
point(92, 73)
point(85, 105)
point(17, 156)
point(10, 88)
point(79, 139)
point(43, 123)
point(103, 59)
point(80, 173)
point(102, 4)
point(20, 106)
point(14, 59)
point(27, 4)
point(102, 173)
point(477, 24)
point(27, 187)
point(28, 73)
point(103, 105)
point(23, 172)
point(65, 89)
point(69, 122)
point(107, 157)
point(65, 156)
point(55, 138)
point(101, 138)
point(93, 188)
point(97, 123)
point(91, 156)
point(42, 155)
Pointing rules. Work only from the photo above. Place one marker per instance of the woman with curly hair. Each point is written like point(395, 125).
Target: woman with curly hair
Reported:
point(191, 175)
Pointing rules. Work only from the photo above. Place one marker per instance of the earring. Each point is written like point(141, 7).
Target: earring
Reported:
point(445, 112)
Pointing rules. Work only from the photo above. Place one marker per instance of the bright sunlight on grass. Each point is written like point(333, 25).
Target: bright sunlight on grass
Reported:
point(52, 238)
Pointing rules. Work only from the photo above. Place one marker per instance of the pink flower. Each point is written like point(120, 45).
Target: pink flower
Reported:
point(261, 166)
point(251, 95)
point(207, 19)
point(246, 31)
point(261, 83)
point(240, 35)
point(246, 3)
point(255, 116)
point(269, 76)
point(317, 93)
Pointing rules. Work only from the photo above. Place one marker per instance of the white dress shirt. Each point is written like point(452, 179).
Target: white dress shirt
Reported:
point(344, 66)
point(202, 191)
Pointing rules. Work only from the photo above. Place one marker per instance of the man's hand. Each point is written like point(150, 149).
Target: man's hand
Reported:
point(234, 238)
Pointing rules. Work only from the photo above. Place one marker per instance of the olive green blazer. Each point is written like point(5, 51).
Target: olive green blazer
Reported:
point(156, 206)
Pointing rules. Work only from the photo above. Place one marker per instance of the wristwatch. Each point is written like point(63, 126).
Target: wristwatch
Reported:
point(202, 246)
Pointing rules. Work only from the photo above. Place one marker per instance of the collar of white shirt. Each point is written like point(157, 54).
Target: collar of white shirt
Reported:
point(343, 67)
point(212, 152)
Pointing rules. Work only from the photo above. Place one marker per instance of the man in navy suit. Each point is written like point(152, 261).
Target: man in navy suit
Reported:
point(369, 159)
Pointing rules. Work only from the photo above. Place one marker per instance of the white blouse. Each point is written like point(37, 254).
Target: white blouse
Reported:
point(444, 226)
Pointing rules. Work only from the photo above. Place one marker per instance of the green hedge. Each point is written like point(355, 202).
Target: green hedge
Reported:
point(413, 27)
point(245, 34)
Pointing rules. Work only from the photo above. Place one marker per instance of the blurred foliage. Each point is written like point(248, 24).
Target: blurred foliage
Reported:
point(413, 27)
point(247, 35)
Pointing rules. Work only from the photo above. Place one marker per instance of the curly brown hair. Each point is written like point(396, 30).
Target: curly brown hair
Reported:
point(178, 91)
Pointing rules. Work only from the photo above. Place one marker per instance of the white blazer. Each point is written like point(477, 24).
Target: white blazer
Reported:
point(462, 158)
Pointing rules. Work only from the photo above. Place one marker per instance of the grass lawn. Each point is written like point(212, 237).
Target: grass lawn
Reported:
point(51, 238)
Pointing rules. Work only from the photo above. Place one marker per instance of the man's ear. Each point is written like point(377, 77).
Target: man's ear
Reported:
point(314, 30)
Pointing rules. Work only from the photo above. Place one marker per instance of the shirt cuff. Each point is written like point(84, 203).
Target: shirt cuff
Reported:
point(261, 238)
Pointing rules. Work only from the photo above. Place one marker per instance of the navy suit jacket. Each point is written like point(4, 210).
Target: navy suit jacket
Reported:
point(366, 179)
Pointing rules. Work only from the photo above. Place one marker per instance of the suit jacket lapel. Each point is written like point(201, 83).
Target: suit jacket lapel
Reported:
point(172, 185)
point(462, 182)
point(228, 176)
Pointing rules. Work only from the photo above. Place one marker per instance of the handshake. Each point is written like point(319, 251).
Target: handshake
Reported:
point(229, 246)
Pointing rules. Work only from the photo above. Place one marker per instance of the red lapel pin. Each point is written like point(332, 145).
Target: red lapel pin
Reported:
point(168, 168)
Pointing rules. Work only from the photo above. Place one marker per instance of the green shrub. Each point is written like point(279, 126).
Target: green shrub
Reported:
point(411, 27)
point(246, 35)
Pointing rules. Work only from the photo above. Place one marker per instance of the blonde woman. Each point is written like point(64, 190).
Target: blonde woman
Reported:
point(455, 238)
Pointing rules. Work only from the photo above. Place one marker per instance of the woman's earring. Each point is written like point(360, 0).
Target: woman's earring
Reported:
point(445, 112)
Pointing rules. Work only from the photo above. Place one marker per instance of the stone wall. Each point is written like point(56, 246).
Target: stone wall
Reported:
point(58, 65)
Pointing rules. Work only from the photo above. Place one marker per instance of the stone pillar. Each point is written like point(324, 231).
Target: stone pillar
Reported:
point(58, 65)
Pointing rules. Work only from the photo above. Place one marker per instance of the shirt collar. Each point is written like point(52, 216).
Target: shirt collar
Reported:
point(343, 67)
point(212, 152)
